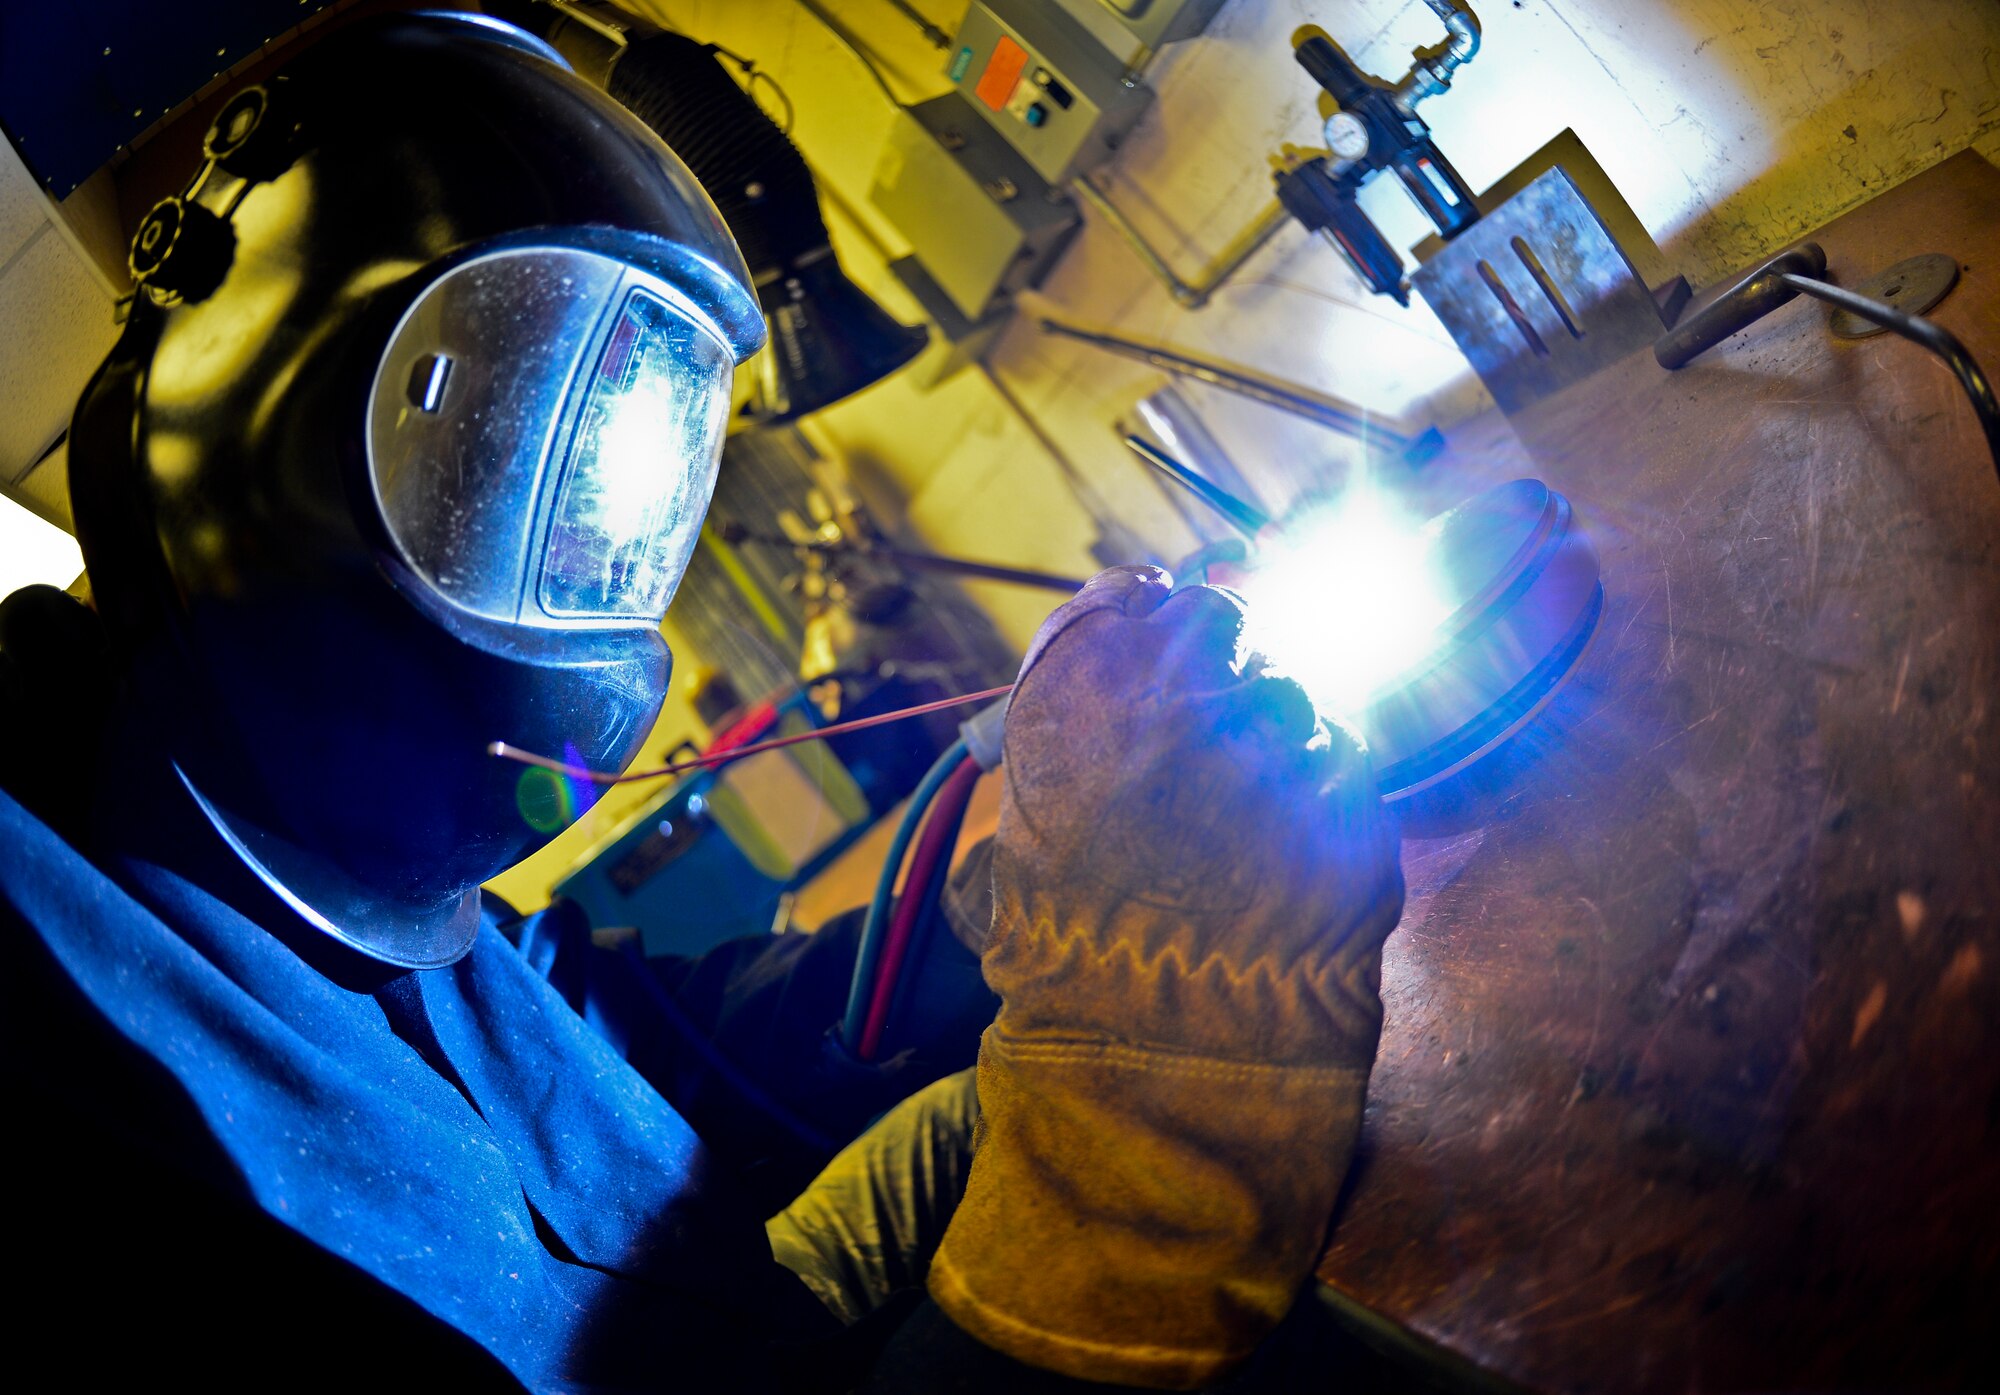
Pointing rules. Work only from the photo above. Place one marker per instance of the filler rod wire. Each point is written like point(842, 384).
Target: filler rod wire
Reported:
point(681, 767)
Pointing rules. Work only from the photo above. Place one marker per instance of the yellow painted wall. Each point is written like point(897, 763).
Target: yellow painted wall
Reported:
point(1732, 126)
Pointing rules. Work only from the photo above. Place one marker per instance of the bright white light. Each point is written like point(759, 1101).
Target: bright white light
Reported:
point(33, 550)
point(634, 448)
point(1347, 599)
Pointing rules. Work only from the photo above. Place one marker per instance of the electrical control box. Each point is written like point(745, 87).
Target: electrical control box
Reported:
point(956, 342)
point(1050, 88)
point(978, 217)
point(1132, 29)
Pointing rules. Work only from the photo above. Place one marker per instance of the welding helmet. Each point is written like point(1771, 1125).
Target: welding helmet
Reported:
point(402, 451)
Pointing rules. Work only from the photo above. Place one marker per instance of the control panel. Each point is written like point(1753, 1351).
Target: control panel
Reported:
point(982, 223)
point(1134, 29)
point(1041, 80)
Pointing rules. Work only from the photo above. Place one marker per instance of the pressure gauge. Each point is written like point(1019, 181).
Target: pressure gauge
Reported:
point(1347, 136)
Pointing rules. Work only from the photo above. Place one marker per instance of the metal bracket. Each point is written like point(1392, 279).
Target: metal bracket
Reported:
point(1538, 294)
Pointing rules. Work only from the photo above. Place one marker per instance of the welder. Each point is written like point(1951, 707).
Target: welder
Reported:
point(402, 449)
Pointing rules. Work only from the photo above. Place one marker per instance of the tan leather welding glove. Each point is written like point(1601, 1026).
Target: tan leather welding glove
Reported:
point(1192, 882)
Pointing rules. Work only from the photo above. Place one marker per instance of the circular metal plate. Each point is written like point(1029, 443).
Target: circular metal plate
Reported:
point(1912, 286)
point(1524, 581)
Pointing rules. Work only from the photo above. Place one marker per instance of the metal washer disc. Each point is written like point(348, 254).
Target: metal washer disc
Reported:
point(1523, 580)
point(1912, 286)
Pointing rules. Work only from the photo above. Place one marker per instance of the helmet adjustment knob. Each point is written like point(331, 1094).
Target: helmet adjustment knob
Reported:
point(181, 249)
point(251, 137)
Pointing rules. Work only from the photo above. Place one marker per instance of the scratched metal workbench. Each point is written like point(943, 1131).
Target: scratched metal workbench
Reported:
point(1690, 1077)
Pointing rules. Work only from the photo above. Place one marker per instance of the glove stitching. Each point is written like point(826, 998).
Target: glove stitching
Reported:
point(1169, 1063)
point(1045, 934)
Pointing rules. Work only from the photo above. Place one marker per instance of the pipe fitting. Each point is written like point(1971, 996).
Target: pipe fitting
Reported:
point(1432, 70)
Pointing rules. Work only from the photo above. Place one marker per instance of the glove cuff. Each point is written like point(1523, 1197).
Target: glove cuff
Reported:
point(1139, 1217)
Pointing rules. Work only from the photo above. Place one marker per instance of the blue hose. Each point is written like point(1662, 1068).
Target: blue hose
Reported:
point(930, 923)
point(876, 926)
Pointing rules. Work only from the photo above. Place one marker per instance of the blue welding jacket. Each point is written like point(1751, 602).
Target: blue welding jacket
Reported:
point(458, 1134)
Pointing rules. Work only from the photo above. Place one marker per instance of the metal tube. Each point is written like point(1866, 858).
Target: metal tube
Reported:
point(1246, 520)
point(1430, 71)
point(1165, 417)
point(1463, 27)
point(1741, 306)
point(1800, 272)
point(1300, 401)
point(1191, 295)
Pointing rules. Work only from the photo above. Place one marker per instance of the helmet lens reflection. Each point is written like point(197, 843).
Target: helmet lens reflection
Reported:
point(642, 467)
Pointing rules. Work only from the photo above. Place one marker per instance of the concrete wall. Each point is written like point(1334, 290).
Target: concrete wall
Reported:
point(56, 325)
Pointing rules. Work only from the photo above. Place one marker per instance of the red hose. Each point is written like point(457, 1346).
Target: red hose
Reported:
point(940, 832)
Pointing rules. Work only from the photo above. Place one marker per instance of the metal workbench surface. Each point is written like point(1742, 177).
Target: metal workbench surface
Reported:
point(1690, 1077)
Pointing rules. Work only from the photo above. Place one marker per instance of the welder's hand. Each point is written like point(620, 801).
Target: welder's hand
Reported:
point(1192, 883)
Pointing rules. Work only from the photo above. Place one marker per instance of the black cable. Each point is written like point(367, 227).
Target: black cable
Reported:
point(752, 74)
point(1798, 271)
point(1918, 330)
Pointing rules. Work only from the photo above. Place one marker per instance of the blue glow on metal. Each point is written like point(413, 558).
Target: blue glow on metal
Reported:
point(1347, 597)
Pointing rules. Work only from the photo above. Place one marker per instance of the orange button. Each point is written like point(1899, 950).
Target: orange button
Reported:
point(1003, 72)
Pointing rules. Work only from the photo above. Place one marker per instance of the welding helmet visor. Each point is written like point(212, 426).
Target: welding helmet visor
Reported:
point(581, 403)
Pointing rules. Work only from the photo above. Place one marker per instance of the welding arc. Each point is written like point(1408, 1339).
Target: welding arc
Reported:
point(681, 767)
point(1242, 517)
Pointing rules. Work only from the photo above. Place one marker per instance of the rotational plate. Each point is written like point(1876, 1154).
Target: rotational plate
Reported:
point(1523, 581)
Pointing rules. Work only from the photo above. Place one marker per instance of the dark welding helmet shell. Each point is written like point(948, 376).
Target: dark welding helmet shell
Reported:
point(339, 509)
